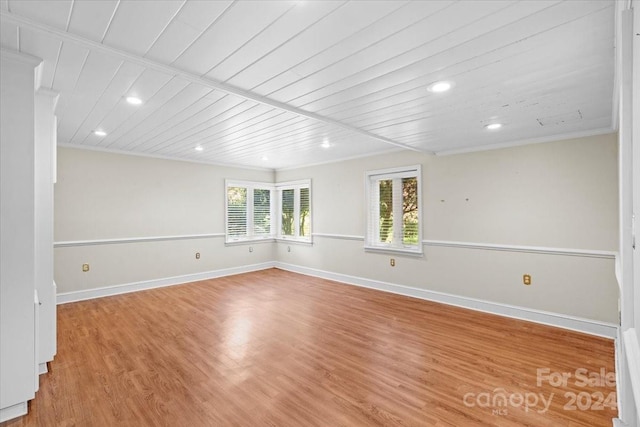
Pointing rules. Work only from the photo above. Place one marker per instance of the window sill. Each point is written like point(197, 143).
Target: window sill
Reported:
point(249, 241)
point(417, 253)
point(294, 241)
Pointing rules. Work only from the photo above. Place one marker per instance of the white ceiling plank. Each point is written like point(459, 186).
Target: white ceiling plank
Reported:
point(110, 99)
point(159, 94)
point(348, 20)
point(214, 126)
point(383, 49)
point(469, 42)
point(199, 14)
point(137, 24)
point(192, 21)
point(198, 121)
point(263, 130)
point(149, 137)
point(283, 76)
point(278, 129)
point(473, 21)
point(241, 125)
point(190, 77)
point(149, 83)
point(288, 131)
point(90, 19)
point(525, 66)
point(297, 145)
point(98, 72)
point(9, 36)
point(42, 47)
point(239, 24)
point(50, 12)
point(476, 86)
point(186, 98)
point(282, 30)
point(172, 42)
point(402, 27)
point(4, 4)
point(237, 127)
point(68, 68)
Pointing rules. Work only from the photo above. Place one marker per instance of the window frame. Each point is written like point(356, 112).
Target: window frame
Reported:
point(296, 186)
point(250, 236)
point(371, 243)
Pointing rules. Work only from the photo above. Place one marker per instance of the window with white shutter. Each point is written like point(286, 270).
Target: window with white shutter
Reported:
point(249, 211)
point(394, 219)
point(295, 210)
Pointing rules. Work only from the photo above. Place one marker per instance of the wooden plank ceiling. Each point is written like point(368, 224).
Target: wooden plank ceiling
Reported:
point(279, 84)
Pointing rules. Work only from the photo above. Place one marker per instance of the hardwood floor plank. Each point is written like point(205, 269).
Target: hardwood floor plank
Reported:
point(275, 348)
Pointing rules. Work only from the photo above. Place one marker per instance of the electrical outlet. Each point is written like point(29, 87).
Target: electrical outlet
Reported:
point(250, 248)
point(85, 267)
point(197, 255)
point(526, 279)
point(392, 262)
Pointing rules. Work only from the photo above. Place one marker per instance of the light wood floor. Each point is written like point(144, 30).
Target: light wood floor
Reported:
point(274, 348)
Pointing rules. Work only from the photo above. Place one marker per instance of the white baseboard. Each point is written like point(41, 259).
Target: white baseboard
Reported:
point(13, 411)
point(592, 327)
point(74, 296)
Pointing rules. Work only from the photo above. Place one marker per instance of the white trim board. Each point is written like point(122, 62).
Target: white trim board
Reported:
point(73, 243)
point(520, 248)
point(126, 288)
point(493, 247)
point(14, 411)
point(591, 327)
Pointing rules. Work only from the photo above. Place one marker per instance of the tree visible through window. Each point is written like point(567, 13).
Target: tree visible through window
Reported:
point(249, 211)
point(262, 211)
point(257, 211)
point(236, 211)
point(288, 217)
point(295, 210)
point(394, 214)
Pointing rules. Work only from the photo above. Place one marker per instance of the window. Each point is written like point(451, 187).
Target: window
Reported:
point(295, 210)
point(249, 211)
point(394, 214)
point(257, 211)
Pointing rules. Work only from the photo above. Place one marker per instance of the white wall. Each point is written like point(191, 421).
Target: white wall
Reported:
point(560, 195)
point(106, 196)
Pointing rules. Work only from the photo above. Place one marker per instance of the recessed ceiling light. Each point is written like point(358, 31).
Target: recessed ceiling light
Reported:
point(439, 87)
point(99, 132)
point(199, 148)
point(265, 158)
point(134, 100)
point(493, 126)
point(325, 143)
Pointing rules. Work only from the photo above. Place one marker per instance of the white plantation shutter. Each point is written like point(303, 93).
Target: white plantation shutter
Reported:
point(295, 210)
point(394, 216)
point(287, 212)
point(262, 212)
point(256, 211)
point(304, 217)
point(236, 212)
point(249, 211)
